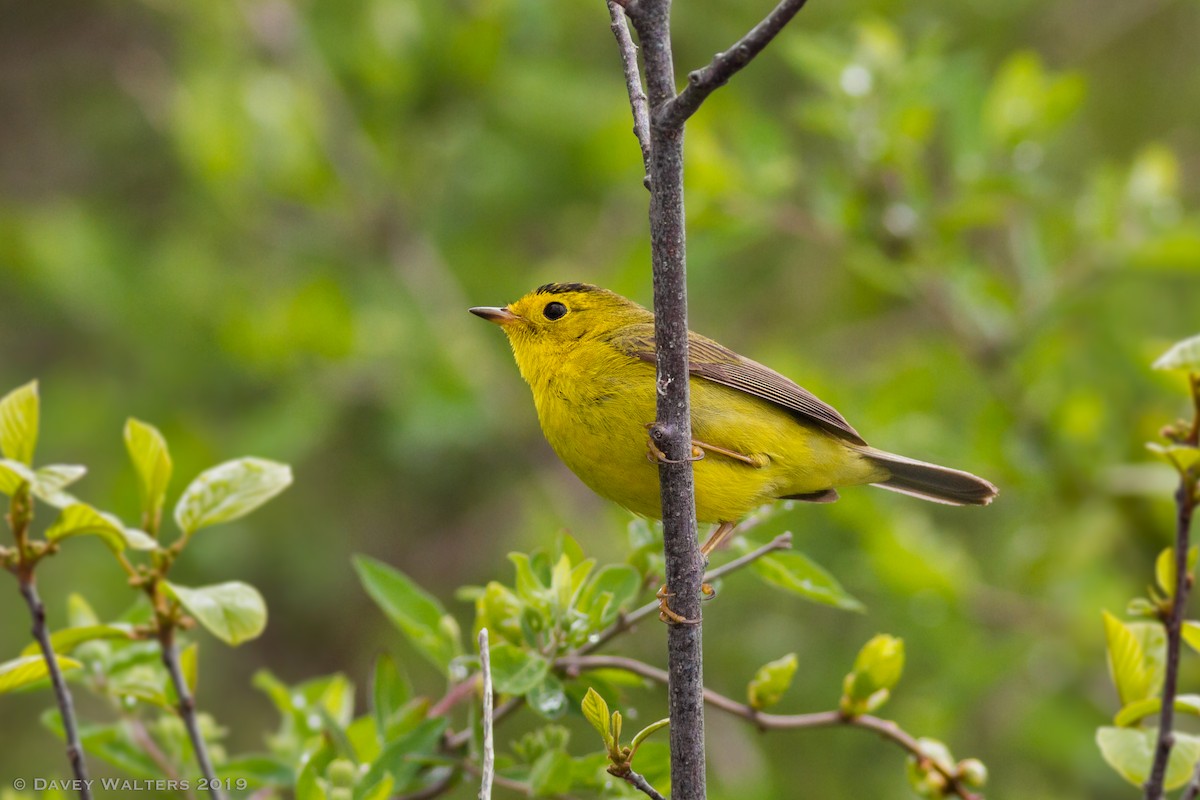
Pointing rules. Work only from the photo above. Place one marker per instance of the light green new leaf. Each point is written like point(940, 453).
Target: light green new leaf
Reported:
point(550, 775)
point(1136, 712)
point(595, 711)
point(48, 483)
point(880, 662)
point(67, 639)
point(29, 669)
point(234, 612)
point(1180, 456)
point(19, 423)
point(403, 758)
point(796, 573)
point(516, 671)
point(13, 474)
point(80, 519)
point(1191, 634)
point(230, 491)
point(152, 461)
point(1182, 355)
point(1164, 568)
point(645, 732)
point(771, 681)
point(1127, 662)
point(1130, 752)
point(417, 614)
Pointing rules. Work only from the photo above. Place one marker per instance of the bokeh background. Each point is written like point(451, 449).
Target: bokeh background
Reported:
point(971, 227)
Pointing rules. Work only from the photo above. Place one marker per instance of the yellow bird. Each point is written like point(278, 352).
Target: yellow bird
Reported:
point(588, 355)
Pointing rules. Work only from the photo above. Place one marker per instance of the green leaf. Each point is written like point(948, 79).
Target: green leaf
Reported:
point(516, 671)
point(1130, 752)
point(234, 612)
point(1191, 634)
point(796, 573)
point(1164, 568)
point(548, 698)
point(13, 474)
point(645, 732)
point(19, 423)
point(551, 774)
point(1182, 355)
point(1180, 456)
point(49, 482)
point(403, 758)
point(621, 581)
point(258, 770)
point(152, 462)
point(65, 640)
point(411, 609)
point(80, 519)
point(595, 711)
point(390, 690)
point(1137, 711)
point(1127, 662)
point(230, 491)
point(25, 670)
point(771, 681)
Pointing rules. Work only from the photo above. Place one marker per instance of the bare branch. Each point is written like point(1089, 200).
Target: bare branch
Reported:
point(62, 693)
point(1185, 503)
point(704, 81)
point(633, 83)
point(489, 747)
point(764, 721)
point(637, 781)
point(187, 709)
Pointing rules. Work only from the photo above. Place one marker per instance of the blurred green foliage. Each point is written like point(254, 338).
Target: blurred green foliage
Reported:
point(971, 227)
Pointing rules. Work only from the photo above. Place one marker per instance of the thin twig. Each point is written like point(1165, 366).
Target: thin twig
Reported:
point(62, 693)
point(638, 782)
point(187, 710)
point(1185, 502)
point(489, 747)
point(704, 81)
point(764, 721)
point(633, 84)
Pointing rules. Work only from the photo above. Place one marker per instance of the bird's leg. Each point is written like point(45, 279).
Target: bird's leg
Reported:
point(756, 461)
point(717, 539)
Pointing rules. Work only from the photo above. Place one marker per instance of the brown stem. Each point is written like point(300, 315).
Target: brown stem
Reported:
point(633, 83)
point(724, 66)
point(764, 721)
point(62, 693)
point(187, 708)
point(638, 782)
point(1185, 500)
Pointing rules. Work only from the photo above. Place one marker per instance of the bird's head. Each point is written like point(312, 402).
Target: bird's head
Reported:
point(550, 322)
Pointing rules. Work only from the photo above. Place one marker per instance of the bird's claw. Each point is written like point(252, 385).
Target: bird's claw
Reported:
point(655, 455)
point(666, 614)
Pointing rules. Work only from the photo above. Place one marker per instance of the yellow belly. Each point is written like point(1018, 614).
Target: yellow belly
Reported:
point(601, 435)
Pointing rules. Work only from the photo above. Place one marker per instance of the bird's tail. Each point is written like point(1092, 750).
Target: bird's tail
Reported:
point(929, 481)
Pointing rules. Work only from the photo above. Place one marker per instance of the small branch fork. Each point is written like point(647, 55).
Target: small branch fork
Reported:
point(1185, 504)
point(767, 722)
point(633, 83)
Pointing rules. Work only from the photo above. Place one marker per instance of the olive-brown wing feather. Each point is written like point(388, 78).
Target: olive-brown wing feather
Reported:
point(715, 362)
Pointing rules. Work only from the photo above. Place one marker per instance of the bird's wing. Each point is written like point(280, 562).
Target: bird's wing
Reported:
point(717, 363)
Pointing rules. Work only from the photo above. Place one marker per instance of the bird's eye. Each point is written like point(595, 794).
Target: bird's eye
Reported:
point(554, 311)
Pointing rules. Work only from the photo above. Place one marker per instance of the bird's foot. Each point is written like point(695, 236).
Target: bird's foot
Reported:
point(666, 614)
point(656, 456)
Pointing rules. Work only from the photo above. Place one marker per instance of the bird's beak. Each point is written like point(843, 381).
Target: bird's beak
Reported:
point(500, 316)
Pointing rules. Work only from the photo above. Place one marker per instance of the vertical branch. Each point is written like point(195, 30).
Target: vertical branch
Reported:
point(672, 429)
point(1185, 503)
point(187, 709)
point(62, 692)
point(489, 746)
point(633, 84)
